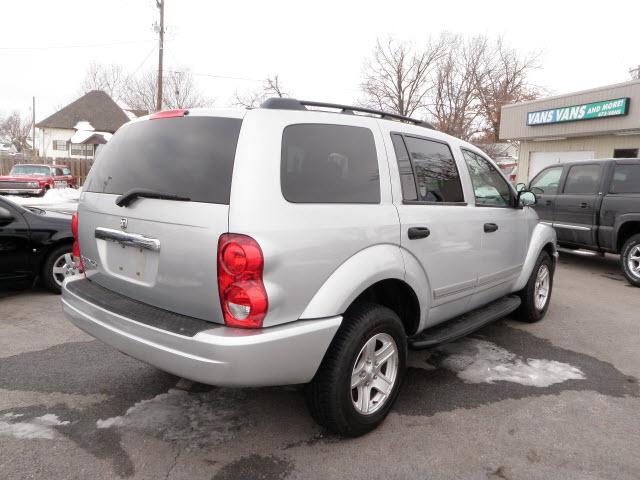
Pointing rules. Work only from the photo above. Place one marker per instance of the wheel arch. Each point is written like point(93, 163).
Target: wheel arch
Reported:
point(376, 274)
point(543, 238)
point(628, 226)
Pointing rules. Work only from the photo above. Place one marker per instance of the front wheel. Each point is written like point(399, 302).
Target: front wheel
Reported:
point(536, 295)
point(630, 260)
point(361, 373)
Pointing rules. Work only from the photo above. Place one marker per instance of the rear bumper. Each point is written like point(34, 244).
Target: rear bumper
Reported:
point(280, 355)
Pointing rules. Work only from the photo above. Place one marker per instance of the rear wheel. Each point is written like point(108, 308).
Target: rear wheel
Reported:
point(361, 373)
point(536, 295)
point(58, 266)
point(630, 260)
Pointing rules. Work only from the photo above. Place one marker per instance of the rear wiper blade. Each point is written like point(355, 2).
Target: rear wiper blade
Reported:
point(126, 198)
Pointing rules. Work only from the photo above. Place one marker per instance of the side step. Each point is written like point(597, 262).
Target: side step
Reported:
point(465, 324)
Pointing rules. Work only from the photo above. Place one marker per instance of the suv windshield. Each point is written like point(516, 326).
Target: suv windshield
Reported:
point(37, 170)
point(188, 156)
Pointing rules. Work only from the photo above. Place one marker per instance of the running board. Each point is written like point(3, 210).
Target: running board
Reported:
point(465, 324)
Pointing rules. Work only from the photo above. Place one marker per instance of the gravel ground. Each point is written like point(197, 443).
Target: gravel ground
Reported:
point(557, 399)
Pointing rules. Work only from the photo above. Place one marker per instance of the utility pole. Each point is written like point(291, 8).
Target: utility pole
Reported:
point(160, 5)
point(33, 127)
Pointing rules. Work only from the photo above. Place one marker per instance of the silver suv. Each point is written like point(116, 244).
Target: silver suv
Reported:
point(300, 243)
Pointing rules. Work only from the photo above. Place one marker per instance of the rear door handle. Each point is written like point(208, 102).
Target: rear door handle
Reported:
point(548, 203)
point(415, 233)
point(490, 227)
point(584, 205)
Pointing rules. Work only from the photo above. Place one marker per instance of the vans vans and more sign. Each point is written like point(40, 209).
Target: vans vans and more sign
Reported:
point(586, 111)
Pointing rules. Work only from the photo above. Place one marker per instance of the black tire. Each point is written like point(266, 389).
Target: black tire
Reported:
point(629, 246)
point(46, 275)
point(329, 395)
point(44, 192)
point(528, 311)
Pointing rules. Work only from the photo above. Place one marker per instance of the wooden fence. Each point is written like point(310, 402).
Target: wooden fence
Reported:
point(79, 166)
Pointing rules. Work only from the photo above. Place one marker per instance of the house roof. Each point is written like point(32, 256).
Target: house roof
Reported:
point(95, 107)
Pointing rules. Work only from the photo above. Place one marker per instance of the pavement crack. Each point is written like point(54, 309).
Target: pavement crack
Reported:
point(173, 464)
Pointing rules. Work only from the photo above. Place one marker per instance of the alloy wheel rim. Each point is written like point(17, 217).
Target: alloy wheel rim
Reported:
point(374, 373)
point(64, 267)
point(633, 261)
point(541, 292)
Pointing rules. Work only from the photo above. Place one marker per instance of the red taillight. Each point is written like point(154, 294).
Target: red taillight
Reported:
point(181, 112)
point(243, 297)
point(75, 252)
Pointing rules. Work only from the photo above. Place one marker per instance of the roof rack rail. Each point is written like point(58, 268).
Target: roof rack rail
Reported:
point(279, 103)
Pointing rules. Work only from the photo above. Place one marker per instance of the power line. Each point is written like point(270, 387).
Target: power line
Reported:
point(221, 77)
point(92, 45)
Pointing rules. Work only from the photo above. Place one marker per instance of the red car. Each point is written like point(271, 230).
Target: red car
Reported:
point(34, 179)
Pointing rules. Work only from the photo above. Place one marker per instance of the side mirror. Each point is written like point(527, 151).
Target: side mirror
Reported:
point(520, 187)
point(526, 198)
point(5, 217)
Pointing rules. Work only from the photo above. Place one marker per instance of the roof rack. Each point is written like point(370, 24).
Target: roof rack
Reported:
point(278, 103)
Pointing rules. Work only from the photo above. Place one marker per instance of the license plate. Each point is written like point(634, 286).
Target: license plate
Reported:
point(60, 184)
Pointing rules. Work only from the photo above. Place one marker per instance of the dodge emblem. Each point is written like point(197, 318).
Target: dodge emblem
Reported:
point(123, 223)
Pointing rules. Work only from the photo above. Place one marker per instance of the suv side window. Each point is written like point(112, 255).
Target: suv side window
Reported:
point(626, 179)
point(582, 179)
point(329, 164)
point(407, 179)
point(548, 180)
point(489, 187)
point(436, 175)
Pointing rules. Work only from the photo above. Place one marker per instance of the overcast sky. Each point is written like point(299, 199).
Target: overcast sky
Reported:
point(317, 48)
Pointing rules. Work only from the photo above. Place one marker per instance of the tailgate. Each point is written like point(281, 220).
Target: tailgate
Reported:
point(165, 257)
point(162, 252)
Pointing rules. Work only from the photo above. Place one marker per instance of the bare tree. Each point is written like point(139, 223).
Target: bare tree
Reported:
point(108, 78)
point(397, 77)
point(454, 105)
point(271, 87)
point(502, 79)
point(16, 130)
point(179, 91)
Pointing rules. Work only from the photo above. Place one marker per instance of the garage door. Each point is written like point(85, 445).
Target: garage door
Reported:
point(540, 160)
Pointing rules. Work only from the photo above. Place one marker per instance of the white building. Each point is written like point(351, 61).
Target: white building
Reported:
point(77, 129)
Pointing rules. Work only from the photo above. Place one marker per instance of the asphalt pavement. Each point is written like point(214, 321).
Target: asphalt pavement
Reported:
point(554, 400)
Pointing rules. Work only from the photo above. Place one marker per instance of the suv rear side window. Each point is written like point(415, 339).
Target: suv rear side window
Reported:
point(582, 179)
point(329, 164)
point(435, 170)
point(548, 181)
point(187, 156)
point(626, 179)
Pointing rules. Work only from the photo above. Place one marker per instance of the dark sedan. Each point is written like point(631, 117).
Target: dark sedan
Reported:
point(34, 243)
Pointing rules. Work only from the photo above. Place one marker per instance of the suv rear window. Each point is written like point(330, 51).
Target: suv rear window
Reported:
point(329, 164)
point(187, 156)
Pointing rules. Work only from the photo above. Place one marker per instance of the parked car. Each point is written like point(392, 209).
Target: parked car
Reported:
point(34, 243)
point(594, 205)
point(297, 246)
point(36, 179)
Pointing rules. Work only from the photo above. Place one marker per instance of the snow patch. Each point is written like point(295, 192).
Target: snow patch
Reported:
point(39, 427)
point(480, 361)
point(191, 420)
point(52, 197)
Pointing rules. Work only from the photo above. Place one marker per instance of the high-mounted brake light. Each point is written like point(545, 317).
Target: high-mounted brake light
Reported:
point(243, 297)
point(181, 112)
point(75, 251)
